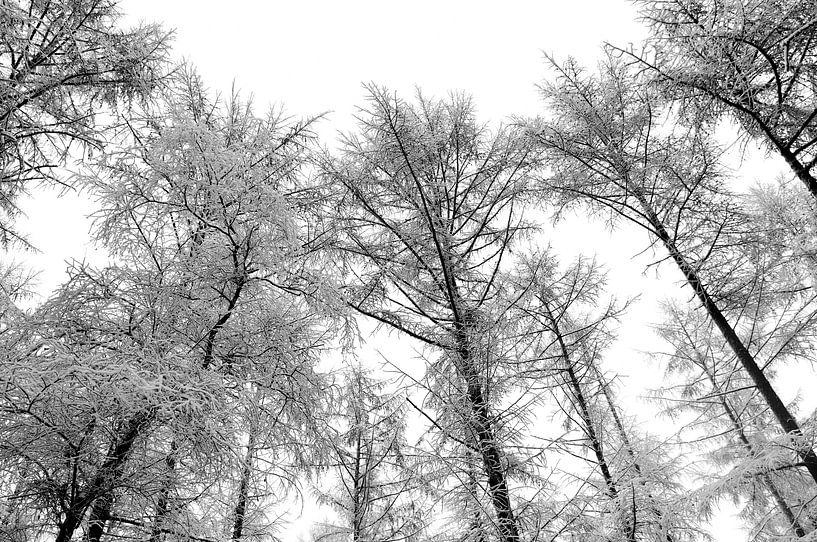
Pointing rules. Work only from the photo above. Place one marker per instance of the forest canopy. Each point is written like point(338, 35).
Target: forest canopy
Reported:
point(212, 377)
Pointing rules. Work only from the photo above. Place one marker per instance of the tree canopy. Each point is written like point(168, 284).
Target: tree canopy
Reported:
point(376, 335)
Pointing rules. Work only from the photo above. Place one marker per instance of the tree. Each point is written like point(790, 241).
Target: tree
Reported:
point(636, 497)
point(137, 370)
point(615, 146)
point(777, 323)
point(61, 62)
point(750, 59)
point(428, 204)
point(373, 493)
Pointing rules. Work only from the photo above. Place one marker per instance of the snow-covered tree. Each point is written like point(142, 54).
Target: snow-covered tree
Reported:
point(127, 389)
point(631, 489)
point(615, 146)
point(752, 60)
point(61, 63)
point(429, 207)
point(374, 493)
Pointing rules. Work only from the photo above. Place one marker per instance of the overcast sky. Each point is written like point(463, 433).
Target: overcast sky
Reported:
point(312, 56)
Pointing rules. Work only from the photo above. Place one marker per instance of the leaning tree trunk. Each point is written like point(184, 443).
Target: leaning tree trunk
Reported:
point(110, 473)
point(737, 426)
point(629, 448)
point(776, 405)
point(800, 170)
point(581, 405)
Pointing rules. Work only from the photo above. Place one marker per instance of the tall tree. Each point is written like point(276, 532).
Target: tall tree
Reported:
point(205, 222)
point(429, 204)
point(374, 491)
point(616, 146)
point(730, 420)
point(630, 494)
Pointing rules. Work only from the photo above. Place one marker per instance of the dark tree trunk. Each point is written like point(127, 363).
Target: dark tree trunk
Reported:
point(582, 408)
point(803, 173)
point(629, 448)
point(584, 412)
point(482, 424)
point(68, 525)
point(100, 514)
point(776, 405)
point(486, 442)
point(243, 491)
point(109, 475)
point(100, 490)
point(737, 425)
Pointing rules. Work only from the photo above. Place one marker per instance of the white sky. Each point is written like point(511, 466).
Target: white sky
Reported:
point(312, 56)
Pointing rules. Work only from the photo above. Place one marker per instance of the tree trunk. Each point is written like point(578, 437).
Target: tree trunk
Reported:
point(100, 491)
point(584, 413)
point(100, 514)
point(491, 455)
point(802, 172)
point(482, 424)
point(357, 489)
point(243, 490)
point(582, 408)
point(68, 525)
point(778, 408)
point(630, 451)
point(109, 474)
point(163, 503)
point(782, 505)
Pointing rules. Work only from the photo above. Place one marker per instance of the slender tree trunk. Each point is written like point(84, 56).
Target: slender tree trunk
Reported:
point(78, 499)
point(776, 405)
point(584, 412)
point(737, 425)
point(630, 450)
point(357, 505)
point(582, 408)
point(243, 490)
point(617, 421)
